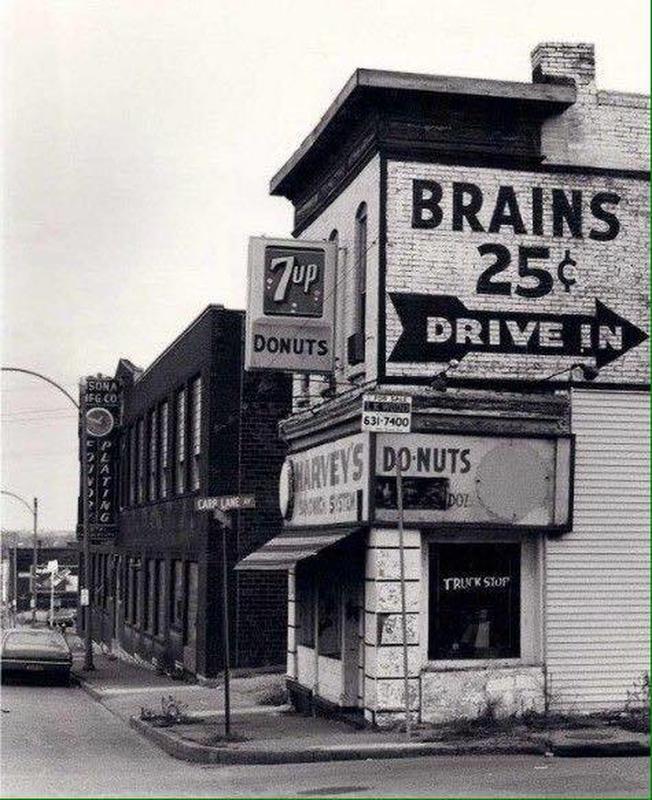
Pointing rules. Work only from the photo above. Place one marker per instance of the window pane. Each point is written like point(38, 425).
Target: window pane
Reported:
point(153, 453)
point(141, 460)
point(329, 620)
point(163, 425)
point(195, 432)
point(181, 442)
point(474, 601)
point(305, 609)
point(160, 622)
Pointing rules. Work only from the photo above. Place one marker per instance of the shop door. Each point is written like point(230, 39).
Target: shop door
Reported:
point(190, 639)
point(352, 599)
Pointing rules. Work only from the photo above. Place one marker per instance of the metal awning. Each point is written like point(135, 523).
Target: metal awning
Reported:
point(283, 551)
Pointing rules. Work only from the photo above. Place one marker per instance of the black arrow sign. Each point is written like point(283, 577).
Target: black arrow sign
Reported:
point(438, 328)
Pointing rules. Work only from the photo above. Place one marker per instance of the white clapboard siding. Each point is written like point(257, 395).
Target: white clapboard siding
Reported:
point(597, 581)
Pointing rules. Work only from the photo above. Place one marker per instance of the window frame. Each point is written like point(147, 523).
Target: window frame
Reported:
point(152, 462)
point(181, 441)
point(195, 397)
point(531, 598)
point(164, 450)
point(360, 247)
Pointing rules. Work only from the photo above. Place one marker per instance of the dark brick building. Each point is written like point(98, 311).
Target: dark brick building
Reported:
point(194, 424)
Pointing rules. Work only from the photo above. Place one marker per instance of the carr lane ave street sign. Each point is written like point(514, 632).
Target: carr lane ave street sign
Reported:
point(226, 503)
point(386, 413)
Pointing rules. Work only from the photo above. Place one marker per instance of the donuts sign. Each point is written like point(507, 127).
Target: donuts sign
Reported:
point(290, 305)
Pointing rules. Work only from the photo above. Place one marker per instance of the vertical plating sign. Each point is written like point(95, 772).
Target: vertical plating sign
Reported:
point(290, 305)
point(101, 399)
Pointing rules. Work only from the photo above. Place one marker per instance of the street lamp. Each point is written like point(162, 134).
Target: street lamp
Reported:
point(33, 510)
point(88, 642)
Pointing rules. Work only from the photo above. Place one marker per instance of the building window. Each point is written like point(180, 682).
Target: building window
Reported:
point(195, 432)
point(180, 477)
point(475, 608)
point(164, 464)
point(160, 602)
point(140, 460)
point(328, 616)
point(153, 453)
point(132, 466)
point(360, 273)
point(305, 608)
point(138, 593)
point(176, 595)
point(150, 596)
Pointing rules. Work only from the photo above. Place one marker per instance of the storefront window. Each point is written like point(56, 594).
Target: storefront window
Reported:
point(329, 620)
point(474, 601)
point(305, 608)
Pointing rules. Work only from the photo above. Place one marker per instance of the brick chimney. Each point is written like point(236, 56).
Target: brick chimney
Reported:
point(565, 63)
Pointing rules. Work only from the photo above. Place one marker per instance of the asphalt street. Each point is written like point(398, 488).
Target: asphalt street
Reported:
point(58, 742)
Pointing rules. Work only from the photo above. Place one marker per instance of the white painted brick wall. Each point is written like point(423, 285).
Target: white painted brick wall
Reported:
point(441, 261)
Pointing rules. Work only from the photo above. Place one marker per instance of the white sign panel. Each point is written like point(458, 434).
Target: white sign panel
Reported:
point(290, 305)
point(329, 483)
point(514, 274)
point(386, 413)
point(83, 597)
point(474, 479)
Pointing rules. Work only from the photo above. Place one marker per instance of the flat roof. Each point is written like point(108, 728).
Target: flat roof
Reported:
point(543, 93)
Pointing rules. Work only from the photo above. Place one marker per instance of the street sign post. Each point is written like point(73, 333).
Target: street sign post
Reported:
point(53, 569)
point(221, 505)
point(386, 413)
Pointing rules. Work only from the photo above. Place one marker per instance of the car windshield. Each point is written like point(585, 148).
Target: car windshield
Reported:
point(35, 638)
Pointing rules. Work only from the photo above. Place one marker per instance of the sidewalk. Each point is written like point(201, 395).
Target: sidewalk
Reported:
point(264, 734)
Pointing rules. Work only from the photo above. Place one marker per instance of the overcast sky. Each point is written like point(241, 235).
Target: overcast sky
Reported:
point(139, 139)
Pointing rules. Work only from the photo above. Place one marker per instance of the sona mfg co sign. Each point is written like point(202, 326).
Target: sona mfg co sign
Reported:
point(290, 305)
point(100, 404)
point(515, 274)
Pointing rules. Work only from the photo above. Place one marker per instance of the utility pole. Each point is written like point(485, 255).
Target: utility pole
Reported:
point(34, 558)
point(88, 638)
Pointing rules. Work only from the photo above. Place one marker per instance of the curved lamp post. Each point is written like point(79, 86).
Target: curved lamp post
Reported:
point(33, 510)
point(88, 644)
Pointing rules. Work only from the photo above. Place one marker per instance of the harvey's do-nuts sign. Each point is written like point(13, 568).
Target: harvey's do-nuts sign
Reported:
point(290, 305)
point(328, 484)
point(515, 274)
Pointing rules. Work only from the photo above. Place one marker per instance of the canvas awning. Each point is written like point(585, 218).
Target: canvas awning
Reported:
point(283, 551)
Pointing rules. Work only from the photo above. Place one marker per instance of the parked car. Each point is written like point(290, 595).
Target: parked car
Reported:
point(34, 651)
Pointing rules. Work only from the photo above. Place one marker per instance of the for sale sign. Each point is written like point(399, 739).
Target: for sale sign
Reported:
point(387, 413)
point(290, 305)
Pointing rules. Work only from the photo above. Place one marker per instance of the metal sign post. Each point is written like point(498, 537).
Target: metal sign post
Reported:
point(88, 640)
point(34, 558)
point(224, 522)
point(401, 545)
point(53, 569)
point(221, 506)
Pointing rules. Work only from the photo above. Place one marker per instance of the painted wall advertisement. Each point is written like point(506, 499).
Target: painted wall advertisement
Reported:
point(328, 484)
point(474, 479)
point(290, 305)
point(101, 399)
point(515, 274)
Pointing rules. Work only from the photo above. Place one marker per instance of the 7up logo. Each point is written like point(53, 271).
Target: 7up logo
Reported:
point(294, 282)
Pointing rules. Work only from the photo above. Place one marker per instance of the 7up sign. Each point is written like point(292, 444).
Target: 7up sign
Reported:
point(290, 305)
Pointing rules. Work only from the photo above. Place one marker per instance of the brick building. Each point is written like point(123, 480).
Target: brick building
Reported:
point(493, 266)
point(193, 425)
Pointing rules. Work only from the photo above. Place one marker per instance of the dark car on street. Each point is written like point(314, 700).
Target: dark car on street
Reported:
point(36, 651)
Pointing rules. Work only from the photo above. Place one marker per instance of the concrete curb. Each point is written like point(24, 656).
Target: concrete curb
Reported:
point(86, 686)
point(590, 749)
point(185, 750)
